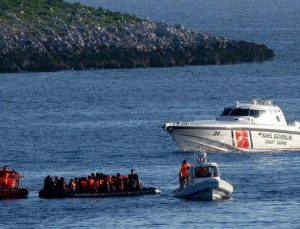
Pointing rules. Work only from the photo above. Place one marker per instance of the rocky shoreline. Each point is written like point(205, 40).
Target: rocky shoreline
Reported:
point(142, 43)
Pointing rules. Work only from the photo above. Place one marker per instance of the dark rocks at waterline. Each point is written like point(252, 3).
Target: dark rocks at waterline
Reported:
point(141, 44)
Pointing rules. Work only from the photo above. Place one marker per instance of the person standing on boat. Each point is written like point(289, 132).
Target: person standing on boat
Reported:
point(184, 177)
point(134, 181)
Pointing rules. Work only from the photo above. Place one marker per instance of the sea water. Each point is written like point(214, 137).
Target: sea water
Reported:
point(72, 123)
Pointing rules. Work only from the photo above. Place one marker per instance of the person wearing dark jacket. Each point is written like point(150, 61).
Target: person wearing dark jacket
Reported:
point(134, 181)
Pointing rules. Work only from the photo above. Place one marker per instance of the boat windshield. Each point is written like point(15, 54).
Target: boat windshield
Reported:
point(203, 172)
point(242, 112)
point(239, 112)
point(256, 113)
point(226, 111)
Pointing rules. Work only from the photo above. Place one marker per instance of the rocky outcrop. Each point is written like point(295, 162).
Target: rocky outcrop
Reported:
point(128, 45)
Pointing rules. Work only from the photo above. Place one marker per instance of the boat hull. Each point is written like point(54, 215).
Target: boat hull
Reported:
point(55, 194)
point(223, 139)
point(13, 193)
point(211, 189)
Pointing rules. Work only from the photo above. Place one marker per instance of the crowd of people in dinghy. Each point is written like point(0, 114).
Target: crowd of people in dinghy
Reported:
point(9, 178)
point(95, 183)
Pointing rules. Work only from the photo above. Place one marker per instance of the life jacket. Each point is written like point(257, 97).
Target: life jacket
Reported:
point(97, 185)
point(5, 176)
point(120, 183)
point(108, 180)
point(9, 179)
point(184, 171)
point(84, 184)
point(11, 182)
point(107, 187)
point(91, 182)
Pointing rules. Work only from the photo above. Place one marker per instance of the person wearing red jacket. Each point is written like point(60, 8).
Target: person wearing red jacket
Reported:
point(120, 182)
point(184, 174)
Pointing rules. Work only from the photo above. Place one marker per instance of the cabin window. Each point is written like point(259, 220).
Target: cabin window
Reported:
point(242, 112)
point(203, 172)
point(278, 119)
point(256, 113)
point(239, 112)
point(226, 111)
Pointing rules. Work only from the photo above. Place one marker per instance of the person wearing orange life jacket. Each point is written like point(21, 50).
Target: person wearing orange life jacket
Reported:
point(120, 182)
point(9, 178)
point(91, 182)
point(5, 175)
point(107, 183)
point(11, 181)
point(84, 184)
point(98, 186)
point(184, 177)
point(17, 176)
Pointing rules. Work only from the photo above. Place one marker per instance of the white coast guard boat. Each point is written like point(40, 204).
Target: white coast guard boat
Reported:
point(206, 183)
point(255, 126)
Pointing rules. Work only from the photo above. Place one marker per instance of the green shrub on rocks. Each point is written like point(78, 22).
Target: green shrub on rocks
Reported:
point(49, 35)
point(32, 14)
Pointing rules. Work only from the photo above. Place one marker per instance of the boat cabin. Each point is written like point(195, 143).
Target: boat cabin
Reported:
point(206, 171)
point(256, 112)
point(203, 169)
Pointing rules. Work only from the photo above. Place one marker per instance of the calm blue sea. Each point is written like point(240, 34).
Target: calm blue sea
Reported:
point(72, 123)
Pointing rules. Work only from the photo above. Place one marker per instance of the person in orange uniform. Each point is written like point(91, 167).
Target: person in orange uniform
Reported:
point(184, 177)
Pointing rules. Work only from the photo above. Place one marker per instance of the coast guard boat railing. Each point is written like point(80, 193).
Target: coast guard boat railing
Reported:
point(177, 124)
